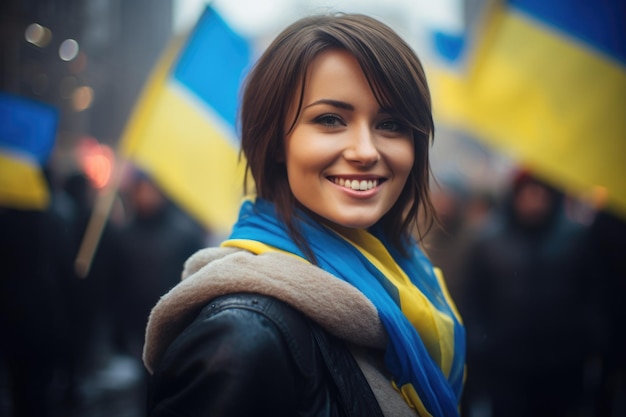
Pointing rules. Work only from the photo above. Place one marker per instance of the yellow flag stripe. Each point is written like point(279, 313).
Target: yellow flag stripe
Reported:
point(545, 100)
point(133, 134)
point(182, 143)
point(22, 184)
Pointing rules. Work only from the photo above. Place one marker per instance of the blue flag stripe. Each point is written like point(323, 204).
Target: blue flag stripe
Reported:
point(211, 65)
point(599, 24)
point(27, 127)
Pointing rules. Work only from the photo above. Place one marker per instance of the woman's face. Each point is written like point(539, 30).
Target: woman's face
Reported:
point(347, 158)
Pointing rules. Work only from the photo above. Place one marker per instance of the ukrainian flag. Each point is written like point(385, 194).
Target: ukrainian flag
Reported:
point(28, 131)
point(183, 130)
point(546, 84)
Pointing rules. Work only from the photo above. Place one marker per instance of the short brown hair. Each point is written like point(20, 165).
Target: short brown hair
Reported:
point(396, 77)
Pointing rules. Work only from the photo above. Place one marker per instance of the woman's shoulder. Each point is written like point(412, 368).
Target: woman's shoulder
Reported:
point(251, 326)
point(246, 345)
point(240, 346)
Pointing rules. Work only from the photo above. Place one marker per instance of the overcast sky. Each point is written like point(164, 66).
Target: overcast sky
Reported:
point(264, 19)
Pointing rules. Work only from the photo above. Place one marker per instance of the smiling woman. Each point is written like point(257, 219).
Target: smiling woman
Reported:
point(343, 143)
point(320, 303)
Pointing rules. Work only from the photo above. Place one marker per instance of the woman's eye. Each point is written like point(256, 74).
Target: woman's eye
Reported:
point(329, 120)
point(392, 126)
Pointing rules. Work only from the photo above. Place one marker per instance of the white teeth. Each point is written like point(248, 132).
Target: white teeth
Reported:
point(362, 185)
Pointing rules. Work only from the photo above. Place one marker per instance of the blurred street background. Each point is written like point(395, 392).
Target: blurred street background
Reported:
point(118, 160)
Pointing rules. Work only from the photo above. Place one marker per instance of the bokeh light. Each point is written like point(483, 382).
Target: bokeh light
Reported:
point(82, 98)
point(97, 161)
point(68, 50)
point(38, 35)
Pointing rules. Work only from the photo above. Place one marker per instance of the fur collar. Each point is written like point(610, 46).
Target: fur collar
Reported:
point(334, 304)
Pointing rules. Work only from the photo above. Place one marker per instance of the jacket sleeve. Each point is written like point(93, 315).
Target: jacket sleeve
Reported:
point(231, 361)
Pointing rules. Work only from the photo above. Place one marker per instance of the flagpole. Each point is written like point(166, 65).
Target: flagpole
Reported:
point(135, 133)
point(105, 200)
point(97, 221)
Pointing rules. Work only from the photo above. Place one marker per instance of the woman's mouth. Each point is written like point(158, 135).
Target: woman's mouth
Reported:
point(356, 184)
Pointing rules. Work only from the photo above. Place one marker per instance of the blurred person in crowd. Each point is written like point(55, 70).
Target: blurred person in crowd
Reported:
point(320, 303)
point(90, 296)
point(526, 307)
point(446, 241)
point(607, 251)
point(478, 208)
point(148, 253)
point(36, 261)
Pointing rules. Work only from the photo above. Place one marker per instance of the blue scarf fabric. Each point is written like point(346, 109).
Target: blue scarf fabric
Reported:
point(366, 260)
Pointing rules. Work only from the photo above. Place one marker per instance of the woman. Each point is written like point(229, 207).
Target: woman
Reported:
point(319, 303)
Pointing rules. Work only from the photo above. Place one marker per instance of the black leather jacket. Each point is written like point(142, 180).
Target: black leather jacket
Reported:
point(253, 355)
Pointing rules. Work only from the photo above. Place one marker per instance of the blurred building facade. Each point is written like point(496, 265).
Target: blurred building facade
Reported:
point(89, 58)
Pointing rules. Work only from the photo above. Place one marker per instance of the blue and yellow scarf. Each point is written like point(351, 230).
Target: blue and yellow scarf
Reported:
point(426, 350)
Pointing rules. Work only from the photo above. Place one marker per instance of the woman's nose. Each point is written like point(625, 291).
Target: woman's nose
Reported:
point(362, 147)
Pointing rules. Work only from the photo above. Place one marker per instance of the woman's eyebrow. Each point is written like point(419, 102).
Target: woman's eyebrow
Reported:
point(335, 103)
point(343, 105)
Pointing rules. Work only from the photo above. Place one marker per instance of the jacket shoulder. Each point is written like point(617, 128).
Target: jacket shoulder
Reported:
point(244, 354)
point(251, 354)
